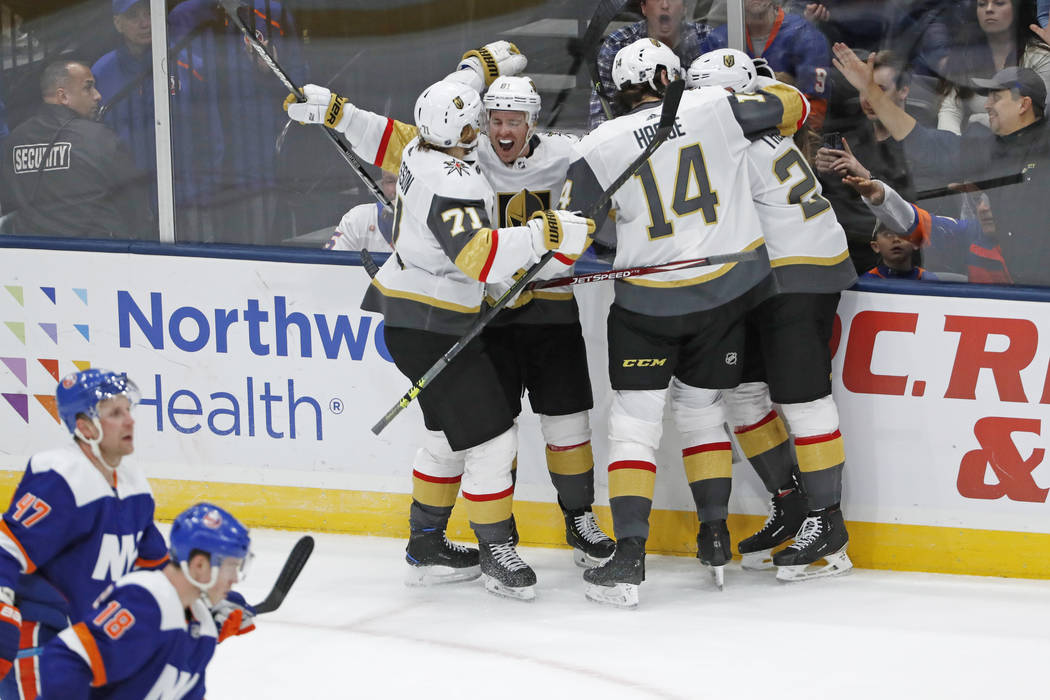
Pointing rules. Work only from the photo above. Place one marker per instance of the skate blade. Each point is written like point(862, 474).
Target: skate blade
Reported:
point(526, 593)
point(620, 595)
point(718, 576)
point(438, 575)
point(586, 561)
point(836, 565)
point(757, 561)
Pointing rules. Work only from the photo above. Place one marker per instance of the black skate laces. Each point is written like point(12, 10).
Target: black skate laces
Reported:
point(507, 556)
point(809, 532)
point(588, 529)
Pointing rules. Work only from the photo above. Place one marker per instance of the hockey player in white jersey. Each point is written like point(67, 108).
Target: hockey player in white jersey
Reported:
point(430, 292)
point(367, 226)
point(679, 333)
point(787, 359)
point(537, 342)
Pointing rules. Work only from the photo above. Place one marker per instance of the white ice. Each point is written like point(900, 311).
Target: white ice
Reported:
point(350, 629)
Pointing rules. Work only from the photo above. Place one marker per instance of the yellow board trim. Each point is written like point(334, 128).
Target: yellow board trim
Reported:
point(424, 299)
point(947, 550)
point(763, 438)
point(807, 260)
point(691, 281)
point(822, 455)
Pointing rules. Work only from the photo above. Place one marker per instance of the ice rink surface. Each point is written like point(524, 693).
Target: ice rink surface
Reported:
point(351, 629)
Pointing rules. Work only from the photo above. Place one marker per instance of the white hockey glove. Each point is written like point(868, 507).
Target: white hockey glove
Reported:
point(488, 63)
point(233, 616)
point(563, 231)
point(322, 106)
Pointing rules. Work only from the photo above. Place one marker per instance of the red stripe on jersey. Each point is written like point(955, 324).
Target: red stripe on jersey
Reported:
point(27, 676)
point(746, 428)
point(436, 479)
point(141, 563)
point(563, 260)
point(566, 448)
point(814, 439)
point(383, 143)
point(477, 497)
point(633, 464)
point(493, 246)
point(709, 447)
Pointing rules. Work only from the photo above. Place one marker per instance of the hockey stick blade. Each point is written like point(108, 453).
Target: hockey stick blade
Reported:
point(230, 6)
point(672, 96)
point(711, 260)
point(292, 567)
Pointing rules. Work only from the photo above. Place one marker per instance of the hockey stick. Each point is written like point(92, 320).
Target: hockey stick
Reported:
point(672, 96)
point(591, 44)
point(742, 256)
point(292, 567)
point(585, 48)
point(369, 263)
point(231, 10)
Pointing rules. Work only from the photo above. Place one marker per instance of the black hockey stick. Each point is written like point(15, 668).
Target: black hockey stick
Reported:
point(573, 280)
point(586, 49)
point(231, 10)
point(369, 263)
point(292, 566)
point(672, 96)
point(591, 44)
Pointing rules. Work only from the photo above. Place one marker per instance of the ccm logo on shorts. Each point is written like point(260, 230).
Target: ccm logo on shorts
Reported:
point(646, 362)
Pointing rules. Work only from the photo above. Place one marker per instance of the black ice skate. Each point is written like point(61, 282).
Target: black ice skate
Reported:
point(713, 549)
point(787, 510)
point(822, 536)
point(590, 546)
point(432, 559)
point(505, 573)
point(615, 581)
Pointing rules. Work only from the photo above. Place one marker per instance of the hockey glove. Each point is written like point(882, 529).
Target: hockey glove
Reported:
point(322, 106)
point(493, 60)
point(560, 230)
point(10, 630)
point(233, 616)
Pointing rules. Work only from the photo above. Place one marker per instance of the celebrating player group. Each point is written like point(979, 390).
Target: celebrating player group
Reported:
point(483, 199)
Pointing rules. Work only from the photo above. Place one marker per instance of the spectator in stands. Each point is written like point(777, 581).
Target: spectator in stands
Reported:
point(664, 21)
point(975, 235)
point(367, 226)
point(1016, 148)
point(68, 175)
point(792, 47)
point(998, 38)
point(896, 255)
point(862, 22)
point(125, 79)
point(868, 151)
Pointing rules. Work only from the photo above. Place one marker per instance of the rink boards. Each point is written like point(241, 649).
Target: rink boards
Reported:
point(260, 380)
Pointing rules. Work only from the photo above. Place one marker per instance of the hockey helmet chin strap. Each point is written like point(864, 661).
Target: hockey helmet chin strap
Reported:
point(94, 442)
point(204, 587)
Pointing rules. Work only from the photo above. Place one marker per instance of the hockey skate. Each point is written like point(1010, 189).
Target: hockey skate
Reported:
point(505, 573)
point(713, 549)
point(787, 510)
point(615, 581)
point(590, 546)
point(822, 536)
point(432, 559)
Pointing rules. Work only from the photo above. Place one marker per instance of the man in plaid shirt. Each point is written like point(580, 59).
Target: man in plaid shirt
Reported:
point(664, 21)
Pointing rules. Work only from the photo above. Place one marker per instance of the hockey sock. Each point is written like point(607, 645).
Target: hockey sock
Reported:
point(766, 446)
point(572, 473)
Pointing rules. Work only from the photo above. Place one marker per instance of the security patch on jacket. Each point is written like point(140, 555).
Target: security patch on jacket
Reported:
point(35, 157)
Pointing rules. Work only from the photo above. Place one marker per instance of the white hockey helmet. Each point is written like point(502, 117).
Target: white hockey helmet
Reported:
point(514, 93)
point(727, 68)
point(640, 63)
point(443, 109)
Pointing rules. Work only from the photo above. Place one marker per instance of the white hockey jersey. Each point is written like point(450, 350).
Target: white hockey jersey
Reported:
point(365, 227)
point(446, 247)
point(691, 199)
point(806, 244)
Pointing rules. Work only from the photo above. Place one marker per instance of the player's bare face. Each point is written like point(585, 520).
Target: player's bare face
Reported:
point(507, 133)
point(228, 575)
point(118, 429)
point(665, 18)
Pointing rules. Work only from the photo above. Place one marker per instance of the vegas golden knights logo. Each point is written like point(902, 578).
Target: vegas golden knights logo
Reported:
point(519, 206)
point(729, 60)
point(458, 102)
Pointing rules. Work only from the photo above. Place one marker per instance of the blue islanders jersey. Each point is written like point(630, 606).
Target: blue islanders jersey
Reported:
point(138, 642)
point(72, 534)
